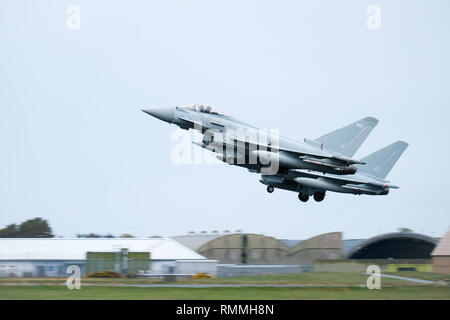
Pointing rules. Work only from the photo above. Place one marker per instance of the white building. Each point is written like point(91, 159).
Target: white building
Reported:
point(50, 257)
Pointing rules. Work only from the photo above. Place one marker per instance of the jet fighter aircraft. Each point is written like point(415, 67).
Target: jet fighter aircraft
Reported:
point(310, 168)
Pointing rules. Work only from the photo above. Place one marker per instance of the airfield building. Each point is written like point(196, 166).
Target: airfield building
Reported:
point(50, 257)
point(441, 255)
point(396, 251)
point(395, 245)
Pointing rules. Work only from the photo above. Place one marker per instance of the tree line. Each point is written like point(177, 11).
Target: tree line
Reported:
point(33, 228)
point(40, 228)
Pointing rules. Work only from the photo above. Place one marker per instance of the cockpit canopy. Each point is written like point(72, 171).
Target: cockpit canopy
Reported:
point(204, 108)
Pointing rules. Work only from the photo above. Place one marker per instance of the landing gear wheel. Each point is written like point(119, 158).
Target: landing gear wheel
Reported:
point(270, 189)
point(319, 196)
point(303, 197)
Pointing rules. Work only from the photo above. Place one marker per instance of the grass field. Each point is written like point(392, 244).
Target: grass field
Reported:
point(345, 286)
point(314, 278)
point(59, 292)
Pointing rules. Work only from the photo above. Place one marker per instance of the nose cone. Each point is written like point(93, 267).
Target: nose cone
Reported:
point(164, 114)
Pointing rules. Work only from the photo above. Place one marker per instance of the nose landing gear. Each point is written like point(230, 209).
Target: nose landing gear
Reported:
point(270, 189)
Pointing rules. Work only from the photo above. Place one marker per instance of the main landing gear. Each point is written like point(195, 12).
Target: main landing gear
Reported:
point(318, 196)
point(270, 189)
point(303, 197)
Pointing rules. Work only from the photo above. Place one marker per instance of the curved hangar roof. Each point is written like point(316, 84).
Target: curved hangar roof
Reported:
point(331, 240)
point(396, 245)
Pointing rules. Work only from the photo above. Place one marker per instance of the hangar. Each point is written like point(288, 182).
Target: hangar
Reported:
point(324, 246)
point(244, 248)
point(441, 255)
point(250, 248)
point(395, 245)
point(51, 256)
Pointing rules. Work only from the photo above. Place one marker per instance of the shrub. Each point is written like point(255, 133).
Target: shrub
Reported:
point(104, 274)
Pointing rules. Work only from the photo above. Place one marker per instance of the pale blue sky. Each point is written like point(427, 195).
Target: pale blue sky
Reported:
point(77, 150)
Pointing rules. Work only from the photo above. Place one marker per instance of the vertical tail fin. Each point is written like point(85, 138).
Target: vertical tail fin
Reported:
point(348, 139)
point(380, 163)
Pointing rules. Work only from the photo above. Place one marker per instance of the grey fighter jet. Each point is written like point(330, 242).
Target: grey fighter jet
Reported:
point(242, 144)
point(310, 168)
